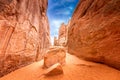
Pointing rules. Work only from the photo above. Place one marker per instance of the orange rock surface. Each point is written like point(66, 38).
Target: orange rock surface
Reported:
point(55, 55)
point(24, 33)
point(75, 69)
point(56, 41)
point(54, 70)
point(94, 32)
point(62, 35)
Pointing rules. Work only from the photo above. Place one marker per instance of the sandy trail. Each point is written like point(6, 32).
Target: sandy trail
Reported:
point(75, 69)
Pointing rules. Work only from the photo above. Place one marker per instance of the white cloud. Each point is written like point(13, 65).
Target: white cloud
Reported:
point(70, 7)
point(52, 40)
point(53, 5)
point(63, 12)
point(56, 23)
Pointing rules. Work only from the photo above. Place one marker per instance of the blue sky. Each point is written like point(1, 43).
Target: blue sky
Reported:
point(59, 11)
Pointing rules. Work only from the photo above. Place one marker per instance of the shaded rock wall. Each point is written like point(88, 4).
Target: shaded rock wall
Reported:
point(24, 33)
point(94, 32)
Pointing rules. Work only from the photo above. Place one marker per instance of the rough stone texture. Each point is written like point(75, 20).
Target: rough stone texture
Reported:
point(94, 32)
point(56, 69)
point(54, 55)
point(56, 41)
point(62, 35)
point(24, 33)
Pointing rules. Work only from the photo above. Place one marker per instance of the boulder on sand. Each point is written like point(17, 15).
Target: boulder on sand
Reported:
point(55, 55)
point(56, 69)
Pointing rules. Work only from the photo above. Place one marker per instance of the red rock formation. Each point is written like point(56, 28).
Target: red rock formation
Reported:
point(54, 55)
point(24, 33)
point(56, 41)
point(54, 70)
point(62, 35)
point(94, 32)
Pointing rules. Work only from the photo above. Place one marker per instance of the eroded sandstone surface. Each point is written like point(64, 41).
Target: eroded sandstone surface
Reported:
point(94, 32)
point(54, 70)
point(24, 33)
point(55, 55)
point(56, 41)
point(62, 35)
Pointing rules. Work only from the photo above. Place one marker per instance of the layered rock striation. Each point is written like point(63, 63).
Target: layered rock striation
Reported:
point(94, 32)
point(24, 33)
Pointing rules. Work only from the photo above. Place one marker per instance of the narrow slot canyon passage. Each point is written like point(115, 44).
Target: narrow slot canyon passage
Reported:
point(60, 40)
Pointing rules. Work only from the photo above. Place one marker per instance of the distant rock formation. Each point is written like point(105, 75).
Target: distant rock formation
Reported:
point(62, 35)
point(24, 33)
point(56, 41)
point(94, 32)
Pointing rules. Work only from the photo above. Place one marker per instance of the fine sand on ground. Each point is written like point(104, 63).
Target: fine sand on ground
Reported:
point(75, 69)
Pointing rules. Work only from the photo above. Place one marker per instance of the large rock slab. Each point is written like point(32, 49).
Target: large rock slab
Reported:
point(54, 55)
point(24, 33)
point(94, 32)
point(54, 70)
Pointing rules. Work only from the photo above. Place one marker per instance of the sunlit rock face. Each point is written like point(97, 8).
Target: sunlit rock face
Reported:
point(56, 41)
point(62, 35)
point(24, 33)
point(56, 69)
point(94, 32)
point(55, 55)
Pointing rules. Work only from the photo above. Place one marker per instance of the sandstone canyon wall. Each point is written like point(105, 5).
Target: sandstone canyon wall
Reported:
point(56, 41)
point(24, 33)
point(94, 32)
point(62, 34)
